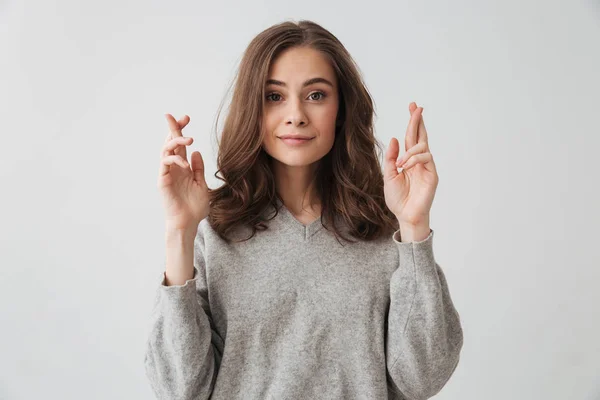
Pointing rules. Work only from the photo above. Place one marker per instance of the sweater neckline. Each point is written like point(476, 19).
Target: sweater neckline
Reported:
point(308, 230)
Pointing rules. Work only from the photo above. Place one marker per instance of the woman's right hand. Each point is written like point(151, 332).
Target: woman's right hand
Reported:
point(184, 190)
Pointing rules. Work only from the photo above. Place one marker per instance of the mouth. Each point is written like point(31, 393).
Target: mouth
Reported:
point(295, 141)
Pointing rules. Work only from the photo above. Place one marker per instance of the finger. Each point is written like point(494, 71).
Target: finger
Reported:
point(183, 121)
point(198, 167)
point(422, 134)
point(423, 138)
point(416, 149)
point(171, 146)
point(175, 128)
point(412, 130)
point(170, 160)
point(389, 163)
point(422, 158)
point(412, 107)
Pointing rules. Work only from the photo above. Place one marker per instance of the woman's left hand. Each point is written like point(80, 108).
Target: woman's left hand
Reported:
point(409, 194)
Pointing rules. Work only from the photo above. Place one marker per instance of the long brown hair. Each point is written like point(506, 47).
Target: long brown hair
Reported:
point(349, 180)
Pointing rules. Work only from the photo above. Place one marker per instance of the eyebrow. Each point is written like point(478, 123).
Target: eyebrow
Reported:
point(306, 83)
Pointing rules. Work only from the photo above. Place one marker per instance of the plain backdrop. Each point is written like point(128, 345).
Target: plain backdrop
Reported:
point(511, 92)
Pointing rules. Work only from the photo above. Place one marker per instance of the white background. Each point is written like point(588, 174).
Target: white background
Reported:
point(511, 92)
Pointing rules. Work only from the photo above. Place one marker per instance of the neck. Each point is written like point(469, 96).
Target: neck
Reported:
point(296, 187)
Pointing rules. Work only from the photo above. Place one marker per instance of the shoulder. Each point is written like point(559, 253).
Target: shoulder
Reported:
point(206, 235)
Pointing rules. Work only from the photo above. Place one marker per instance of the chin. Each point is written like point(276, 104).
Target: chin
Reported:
point(296, 162)
point(297, 158)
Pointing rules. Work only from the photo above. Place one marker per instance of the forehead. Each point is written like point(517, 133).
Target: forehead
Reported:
point(297, 64)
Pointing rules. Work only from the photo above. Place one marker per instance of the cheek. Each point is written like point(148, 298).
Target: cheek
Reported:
point(327, 118)
point(267, 123)
point(331, 110)
point(269, 128)
point(270, 119)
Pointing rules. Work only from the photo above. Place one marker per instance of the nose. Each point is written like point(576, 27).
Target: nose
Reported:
point(296, 115)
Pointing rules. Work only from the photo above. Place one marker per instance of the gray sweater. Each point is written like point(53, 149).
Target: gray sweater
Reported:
point(293, 314)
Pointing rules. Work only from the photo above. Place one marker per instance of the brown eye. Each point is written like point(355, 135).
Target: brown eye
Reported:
point(269, 96)
point(322, 95)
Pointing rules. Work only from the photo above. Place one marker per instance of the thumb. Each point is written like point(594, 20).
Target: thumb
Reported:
point(389, 163)
point(198, 167)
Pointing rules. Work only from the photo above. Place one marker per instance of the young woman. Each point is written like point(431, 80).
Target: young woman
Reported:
point(260, 298)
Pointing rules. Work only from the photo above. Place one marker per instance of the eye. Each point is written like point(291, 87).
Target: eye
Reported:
point(270, 98)
point(323, 95)
point(274, 96)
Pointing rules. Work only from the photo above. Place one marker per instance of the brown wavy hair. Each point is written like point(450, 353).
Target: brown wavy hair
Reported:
point(349, 179)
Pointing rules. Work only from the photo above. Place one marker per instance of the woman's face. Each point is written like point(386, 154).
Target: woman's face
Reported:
point(301, 99)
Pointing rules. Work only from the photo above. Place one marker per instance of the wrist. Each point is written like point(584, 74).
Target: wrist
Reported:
point(179, 257)
point(177, 235)
point(414, 232)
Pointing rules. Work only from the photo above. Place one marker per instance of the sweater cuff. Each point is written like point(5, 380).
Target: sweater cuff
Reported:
point(419, 252)
point(397, 238)
point(189, 287)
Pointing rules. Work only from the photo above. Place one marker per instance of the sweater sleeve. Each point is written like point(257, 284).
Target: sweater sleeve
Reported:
point(183, 351)
point(424, 333)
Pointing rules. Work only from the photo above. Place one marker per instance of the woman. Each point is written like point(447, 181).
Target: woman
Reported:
point(260, 298)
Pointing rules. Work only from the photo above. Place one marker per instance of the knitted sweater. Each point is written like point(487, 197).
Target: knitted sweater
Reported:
point(294, 314)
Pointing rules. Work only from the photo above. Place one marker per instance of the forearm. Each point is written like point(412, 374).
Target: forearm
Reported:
point(179, 256)
point(181, 359)
point(424, 337)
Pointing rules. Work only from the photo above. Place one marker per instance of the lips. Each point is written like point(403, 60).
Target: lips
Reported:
point(294, 141)
point(299, 137)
